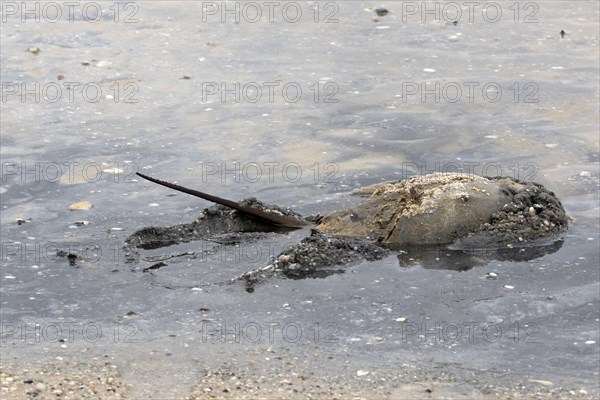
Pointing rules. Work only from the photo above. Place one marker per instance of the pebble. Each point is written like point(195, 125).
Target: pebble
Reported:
point(81, 206)
point(360, 372)
point(34, 50)
point(492, 275)
point(284, 258)
point(401, 319)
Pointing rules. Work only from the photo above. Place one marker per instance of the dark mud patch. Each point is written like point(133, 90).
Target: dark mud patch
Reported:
point(317, 256)
point(216, 224)
point(212, 222)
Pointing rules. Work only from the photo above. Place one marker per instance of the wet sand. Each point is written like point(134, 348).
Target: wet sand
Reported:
point(278, 376)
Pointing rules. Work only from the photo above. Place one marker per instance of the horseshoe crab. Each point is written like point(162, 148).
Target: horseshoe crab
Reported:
point(473, 218)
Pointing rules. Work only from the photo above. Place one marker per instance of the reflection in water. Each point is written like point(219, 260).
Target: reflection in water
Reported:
point(315, 256)
point(441, 257)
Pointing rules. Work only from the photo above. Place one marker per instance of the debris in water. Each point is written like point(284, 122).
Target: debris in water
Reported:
point(81, 223)
point(155, 266)
point(381, 12)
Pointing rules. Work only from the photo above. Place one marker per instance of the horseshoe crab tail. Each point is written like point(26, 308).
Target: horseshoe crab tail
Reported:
point(275, 219)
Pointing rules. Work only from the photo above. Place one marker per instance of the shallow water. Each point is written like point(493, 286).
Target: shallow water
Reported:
point(155, 115)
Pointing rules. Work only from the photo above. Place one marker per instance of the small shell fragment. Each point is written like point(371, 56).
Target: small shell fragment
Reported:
point(113, 170)
point(542, 382)
point(532, 211)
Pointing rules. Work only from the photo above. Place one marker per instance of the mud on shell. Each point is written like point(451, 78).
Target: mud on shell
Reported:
point(444, 208)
